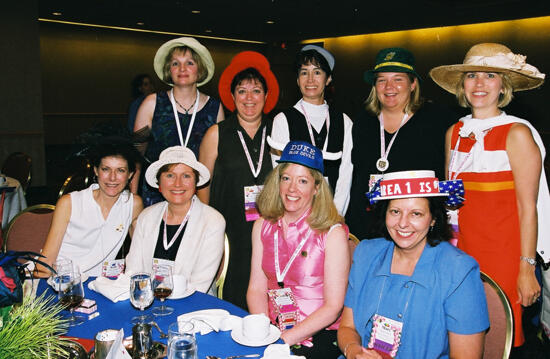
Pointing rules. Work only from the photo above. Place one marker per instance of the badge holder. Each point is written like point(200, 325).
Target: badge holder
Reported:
point(285, 306)
point(113, 268)
point(250, 208)
point(385, 336)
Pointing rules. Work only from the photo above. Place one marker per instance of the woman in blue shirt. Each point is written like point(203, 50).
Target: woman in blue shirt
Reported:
point(412, 294)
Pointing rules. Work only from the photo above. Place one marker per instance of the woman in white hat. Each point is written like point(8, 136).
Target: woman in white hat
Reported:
point(180, 231)
point(312, 120)
point(181, 115)
point(396, 131)
point(499, 157)
point(300, 254)
point(411, 294)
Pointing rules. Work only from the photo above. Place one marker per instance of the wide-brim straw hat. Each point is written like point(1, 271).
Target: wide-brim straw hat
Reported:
point(490, 57)
point(175, 155)
point(240, 62)
point(204, 54)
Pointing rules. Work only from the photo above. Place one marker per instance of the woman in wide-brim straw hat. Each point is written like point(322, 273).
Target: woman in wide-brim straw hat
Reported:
point(499, 157)
point(180, 116)
point(396, 131)
point(237, 154)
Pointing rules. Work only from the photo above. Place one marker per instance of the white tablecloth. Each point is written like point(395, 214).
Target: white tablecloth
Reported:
point(14, 202)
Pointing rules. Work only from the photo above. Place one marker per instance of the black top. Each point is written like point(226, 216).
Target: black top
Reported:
point(419, 145)
point(171, 253)
point(231, 174)
point(298, 131)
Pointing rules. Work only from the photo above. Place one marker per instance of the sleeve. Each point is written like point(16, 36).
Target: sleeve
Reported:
point(279, 133)
point(345, 172)
point(210, 254)
point(466, 305)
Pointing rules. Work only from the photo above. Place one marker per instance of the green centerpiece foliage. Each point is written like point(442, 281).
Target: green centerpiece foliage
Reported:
point(32, 330)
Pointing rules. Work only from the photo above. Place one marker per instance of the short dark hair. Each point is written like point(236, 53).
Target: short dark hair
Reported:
point(311, 57)
point(167, 167)
point(440, 232)
point(115, 147)
point(248, 74)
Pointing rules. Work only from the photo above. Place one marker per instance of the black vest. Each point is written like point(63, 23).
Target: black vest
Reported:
point(297, 129)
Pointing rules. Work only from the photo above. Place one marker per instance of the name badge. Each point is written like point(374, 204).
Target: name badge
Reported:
point(385, 336)
point(164, 262)
point(112, 269)
point(373, 179)
point(250, 208)
point(285, 306)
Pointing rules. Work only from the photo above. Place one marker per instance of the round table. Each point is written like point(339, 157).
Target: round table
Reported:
point(118, 315)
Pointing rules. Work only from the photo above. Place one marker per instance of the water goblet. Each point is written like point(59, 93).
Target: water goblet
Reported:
point(141, 295)
point(163, 285)
point(181, 342)
point(70, 294)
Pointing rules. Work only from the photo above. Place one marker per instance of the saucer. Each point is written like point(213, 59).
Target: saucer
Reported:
point(274, 334)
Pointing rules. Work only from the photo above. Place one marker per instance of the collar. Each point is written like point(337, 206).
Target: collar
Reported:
point(296, 223)
point(423, 272)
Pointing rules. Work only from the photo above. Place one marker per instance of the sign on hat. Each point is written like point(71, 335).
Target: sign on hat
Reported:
point(303, 153)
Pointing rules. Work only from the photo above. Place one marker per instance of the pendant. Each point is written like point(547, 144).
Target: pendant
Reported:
point(382, 164)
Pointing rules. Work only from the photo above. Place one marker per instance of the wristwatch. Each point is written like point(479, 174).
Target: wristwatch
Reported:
point(531, 261)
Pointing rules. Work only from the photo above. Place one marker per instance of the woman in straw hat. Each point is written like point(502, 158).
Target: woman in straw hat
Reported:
point(397, 131)
point(411, 294)
point(300, 254)
point(181, 231)
point(312, 120)
point(499, 157)
point(236, 153)
point(181, 115)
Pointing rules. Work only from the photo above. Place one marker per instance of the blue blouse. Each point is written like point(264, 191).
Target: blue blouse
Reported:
point(444, 294)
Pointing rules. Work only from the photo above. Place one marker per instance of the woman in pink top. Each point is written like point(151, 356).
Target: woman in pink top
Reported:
point(300, 254)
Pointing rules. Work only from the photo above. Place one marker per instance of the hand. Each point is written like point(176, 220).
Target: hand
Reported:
point(528, 286)
point(359, 352)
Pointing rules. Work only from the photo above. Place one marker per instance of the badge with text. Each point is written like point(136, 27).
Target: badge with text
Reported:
point(373, 179)
point(163, 262)
point(250, 209)
point(385, 336)
point(112, 269)
point(285, 306)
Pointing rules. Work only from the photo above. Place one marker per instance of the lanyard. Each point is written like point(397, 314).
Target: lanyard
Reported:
point(327, 120)
point(176, 117)
point(406, 303)
point(167, 245)
point(281, 276)
point(383, 152)
point(453, 160)
point(255, 172)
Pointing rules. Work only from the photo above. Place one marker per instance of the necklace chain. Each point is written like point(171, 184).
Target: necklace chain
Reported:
point(185, 109)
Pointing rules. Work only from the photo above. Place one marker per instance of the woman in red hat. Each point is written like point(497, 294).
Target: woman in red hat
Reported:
point(237, 154)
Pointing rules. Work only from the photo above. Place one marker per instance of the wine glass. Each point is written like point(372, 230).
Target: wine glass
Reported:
point(63, 265)
point(71, 294)
point(163, 285)
point(141, 295)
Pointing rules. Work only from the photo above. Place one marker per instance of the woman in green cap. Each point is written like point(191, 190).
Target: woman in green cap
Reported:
point(396, 131)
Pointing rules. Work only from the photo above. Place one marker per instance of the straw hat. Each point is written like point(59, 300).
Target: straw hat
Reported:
point(490, 57)
point(240, 62)
point(175, 155)
point(204, 54)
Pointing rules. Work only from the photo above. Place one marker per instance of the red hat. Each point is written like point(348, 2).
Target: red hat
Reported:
point(240, 62)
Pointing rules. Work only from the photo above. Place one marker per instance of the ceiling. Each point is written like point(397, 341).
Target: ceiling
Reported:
point(292, 20)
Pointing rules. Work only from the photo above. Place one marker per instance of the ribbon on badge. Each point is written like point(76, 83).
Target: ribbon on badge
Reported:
point(455, 189)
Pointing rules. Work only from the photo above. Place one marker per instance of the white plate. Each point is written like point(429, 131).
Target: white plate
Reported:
point(274, 334)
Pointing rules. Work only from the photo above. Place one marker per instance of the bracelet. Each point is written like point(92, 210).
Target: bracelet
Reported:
point(530, 260)
point(347, 346)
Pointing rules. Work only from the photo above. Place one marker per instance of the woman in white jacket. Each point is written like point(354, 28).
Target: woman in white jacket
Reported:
point(181, 231)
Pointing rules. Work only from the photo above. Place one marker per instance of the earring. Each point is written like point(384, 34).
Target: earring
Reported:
point(431, 228)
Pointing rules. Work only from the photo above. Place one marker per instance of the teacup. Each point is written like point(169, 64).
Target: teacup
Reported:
point(255, 327)
point(103, 342)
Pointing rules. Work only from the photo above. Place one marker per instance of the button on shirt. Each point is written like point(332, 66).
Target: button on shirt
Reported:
point(444, 294)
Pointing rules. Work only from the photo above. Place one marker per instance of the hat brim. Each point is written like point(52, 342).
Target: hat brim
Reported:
point(448, 76)
point(162, 52)
point(152, 170)
point(369, 75)
point(241, 62)
point(300, 163)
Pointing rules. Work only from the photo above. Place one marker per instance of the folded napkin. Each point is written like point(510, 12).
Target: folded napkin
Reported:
point(118, 351)
point(279, 351)
point(205, 321)
point(116, 290)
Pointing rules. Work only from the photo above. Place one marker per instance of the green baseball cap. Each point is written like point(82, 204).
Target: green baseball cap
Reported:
point(392, 59)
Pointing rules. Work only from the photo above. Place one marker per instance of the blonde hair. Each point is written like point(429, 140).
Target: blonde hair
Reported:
point(503, 99)
point(202, 73)
point(323, 211)
point(374, 106)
